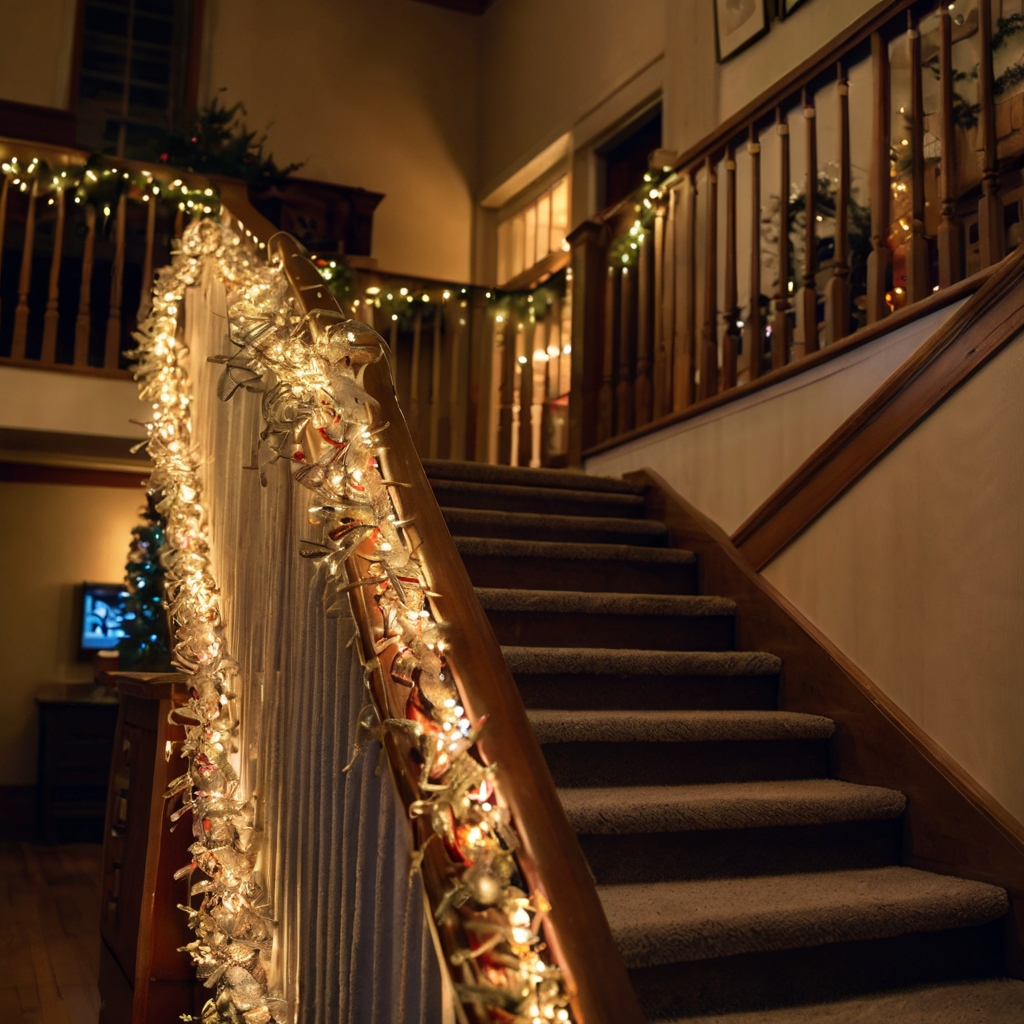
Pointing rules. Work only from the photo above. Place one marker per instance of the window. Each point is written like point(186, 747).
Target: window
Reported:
point(533, 231)
point(134, 72)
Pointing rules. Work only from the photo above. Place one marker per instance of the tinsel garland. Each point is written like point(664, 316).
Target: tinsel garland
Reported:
point(319, 418)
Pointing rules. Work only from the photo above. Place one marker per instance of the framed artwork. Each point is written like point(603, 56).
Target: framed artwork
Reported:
point(738, 23)
point(787, 7)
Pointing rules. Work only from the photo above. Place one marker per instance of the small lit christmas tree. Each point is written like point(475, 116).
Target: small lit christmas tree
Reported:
point(146, 645)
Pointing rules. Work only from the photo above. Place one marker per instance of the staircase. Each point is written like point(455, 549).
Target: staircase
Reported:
point(741, 881)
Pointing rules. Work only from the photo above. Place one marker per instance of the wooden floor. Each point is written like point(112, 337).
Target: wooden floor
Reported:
point(49, 933)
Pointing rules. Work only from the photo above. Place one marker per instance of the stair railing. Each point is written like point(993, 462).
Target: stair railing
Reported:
point(857, 186)
point(575, 928)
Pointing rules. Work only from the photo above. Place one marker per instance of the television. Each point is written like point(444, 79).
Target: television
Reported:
point(102, 622)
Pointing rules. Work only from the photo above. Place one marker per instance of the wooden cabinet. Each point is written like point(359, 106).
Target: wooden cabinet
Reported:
point(143, 978)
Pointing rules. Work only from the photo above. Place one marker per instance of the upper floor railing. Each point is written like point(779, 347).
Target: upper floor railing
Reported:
point(884, 169)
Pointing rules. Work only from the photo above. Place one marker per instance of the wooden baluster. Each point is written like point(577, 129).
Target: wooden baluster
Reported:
point(780, 319)
point(991, 230)
point(146, 298)
point(456, 321)
point(643, 390)
point(414, 376)
point(112, 348)
point(624, 414)
point(25, 280)
point(684, 359)
point(83, 321)
point(4, 189)
point(806, 340)
point(708, 360)
point(918, 272)
point(731, 314)
point(880, 256)
point(837, 291)
point(52, 314)
point(525, 378)
point(754, 326)
point(179, 223)
point(537, 368)
point(606, 396)
point(658, 408)
point(436, 353)
point(666, 313)
point(393, 345)
point(951, 246)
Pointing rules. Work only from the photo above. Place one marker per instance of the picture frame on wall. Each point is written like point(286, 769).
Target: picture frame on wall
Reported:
point(787, 7)
point(738, 23)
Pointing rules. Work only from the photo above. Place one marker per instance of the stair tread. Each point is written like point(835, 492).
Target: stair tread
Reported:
point(993, 1001)
point(502, 491)
point(631, 810)
point(670, 922)
point(627, 662)
point(442, 469)
point(570, 601)
point(543, 522)
point(557, 726)
point(508, 547)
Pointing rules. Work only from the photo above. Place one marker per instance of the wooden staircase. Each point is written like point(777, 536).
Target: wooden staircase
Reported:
point(738, 876)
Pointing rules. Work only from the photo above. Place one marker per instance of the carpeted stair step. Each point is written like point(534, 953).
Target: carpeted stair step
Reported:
point(674, 748)
point(544, 618)
point(521, 476)
point(992, 1001)
point(543, 500)
point(584, 677)
point(726, 830)
point(707, 946)
point(548, 565)
point(474, 522)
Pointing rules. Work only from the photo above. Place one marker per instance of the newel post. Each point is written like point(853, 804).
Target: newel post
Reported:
point(588, 299)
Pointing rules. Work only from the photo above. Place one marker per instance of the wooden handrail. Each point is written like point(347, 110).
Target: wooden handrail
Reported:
point(966, 341)
point(550, 857)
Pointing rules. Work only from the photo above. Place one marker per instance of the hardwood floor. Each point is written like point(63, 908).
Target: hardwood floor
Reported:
point(49, 933)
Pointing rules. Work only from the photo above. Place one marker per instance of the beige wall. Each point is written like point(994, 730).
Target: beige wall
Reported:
point(36, 38)
point(52, 536)
point(380, 95)
point(730, 459)
point(917, 574)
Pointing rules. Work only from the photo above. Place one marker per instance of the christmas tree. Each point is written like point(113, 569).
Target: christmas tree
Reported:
point(146, 645)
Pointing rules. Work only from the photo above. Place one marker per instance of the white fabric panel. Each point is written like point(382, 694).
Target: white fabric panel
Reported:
point(351, 945)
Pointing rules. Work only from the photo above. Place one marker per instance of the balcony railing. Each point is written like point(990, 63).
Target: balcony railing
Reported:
point(885, 169)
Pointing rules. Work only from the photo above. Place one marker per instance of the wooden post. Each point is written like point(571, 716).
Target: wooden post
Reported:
point(436, 354)
point(393, 345)
point(667, 311)
point(414, 377)
point(684, 356)
point(51, 316)
point(456, 323)
point(731, 314)
point(991, 232)
point(146, 298)
point(25, 279)
point(3, 213)
point(83, 320)
point(588, 299)
point(880, 256)
point(660, 397)
point(806, 339)
point(837, 291)
point(524, 362)
point(643, 391)
point(708, 360)
point(606, 396)
point(112, 346)
point(754, 326)
point(624, 408)
point(780, 319)
point(951, 246)
point(918, 274)
point(506, 422)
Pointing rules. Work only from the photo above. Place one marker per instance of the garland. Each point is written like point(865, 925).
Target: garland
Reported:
point(318, 417)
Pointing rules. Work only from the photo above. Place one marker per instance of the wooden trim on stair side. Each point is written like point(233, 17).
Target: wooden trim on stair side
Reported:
point(958, 349)
point(952, 826)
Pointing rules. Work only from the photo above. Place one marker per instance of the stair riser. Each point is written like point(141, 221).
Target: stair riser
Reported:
point(585, 534)
point(735, 853)
point(553, 502)
point(581, 576)
point(681, 764)
point(650, 693)
point(642, 632)
point(833, 971)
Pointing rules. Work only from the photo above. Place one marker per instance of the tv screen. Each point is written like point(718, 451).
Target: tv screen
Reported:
point(102, 616)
